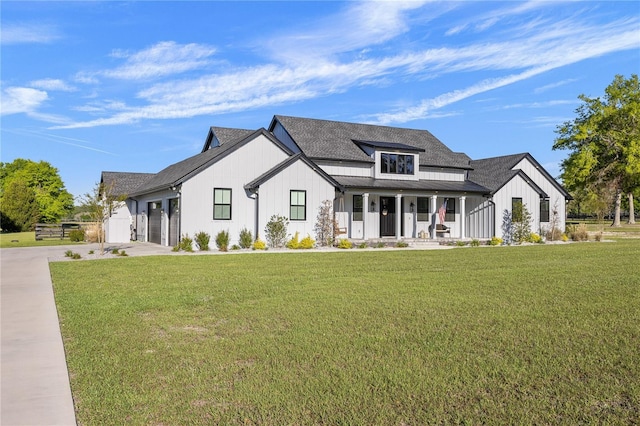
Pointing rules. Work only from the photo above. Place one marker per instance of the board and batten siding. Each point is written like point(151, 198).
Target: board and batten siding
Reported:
point(556, 197)
point(516, 188)
point(249, 161)
point(436, 173)
point(274, 197)
point(346, 168)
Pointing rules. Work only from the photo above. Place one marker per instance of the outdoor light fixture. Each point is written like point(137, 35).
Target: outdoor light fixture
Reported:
point(161, 211)
point(373, 205)
point(411, 206)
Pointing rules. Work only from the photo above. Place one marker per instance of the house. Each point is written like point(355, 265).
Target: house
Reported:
point(384, 182)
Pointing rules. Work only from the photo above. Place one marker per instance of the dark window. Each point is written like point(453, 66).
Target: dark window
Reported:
point(450, 215)
point(423, 209)
point(222, 203)
point(396, 164)
point(544, 210)
point(516, 209)
point(357, 207)
point(298, 209)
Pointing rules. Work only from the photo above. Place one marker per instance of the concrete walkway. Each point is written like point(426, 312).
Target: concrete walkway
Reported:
point(34, 381)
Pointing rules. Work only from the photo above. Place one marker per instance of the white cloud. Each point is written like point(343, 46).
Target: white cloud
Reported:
point(51, 84)
point(161, 59)
point(554, 85)
point(28, 33)
point(17, 100)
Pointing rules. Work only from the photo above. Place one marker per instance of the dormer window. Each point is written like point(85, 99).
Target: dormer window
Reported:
point(401, 164)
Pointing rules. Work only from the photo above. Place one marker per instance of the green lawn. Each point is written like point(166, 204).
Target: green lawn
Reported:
point(28, 239)
point(542, 334)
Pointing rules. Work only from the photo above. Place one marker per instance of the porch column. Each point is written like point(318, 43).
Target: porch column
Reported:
point(462, 217)
point(398, 216)
point(434, 215)
point(365, 213)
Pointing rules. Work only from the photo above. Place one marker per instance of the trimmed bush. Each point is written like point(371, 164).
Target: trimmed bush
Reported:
point(76, 235)
point(259, 245)
point(202, 241)
point(294, 242)
point(246, 239)
point(186, 244)
point(222, 240)
point(475, 243)
point(307, 242)
point(495, 241)
point(344, 244)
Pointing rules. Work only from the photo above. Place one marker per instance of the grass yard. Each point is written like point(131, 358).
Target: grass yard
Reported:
point(28, 239)
point(541, 334)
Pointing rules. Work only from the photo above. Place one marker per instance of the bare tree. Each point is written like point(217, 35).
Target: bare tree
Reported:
point(100, 203)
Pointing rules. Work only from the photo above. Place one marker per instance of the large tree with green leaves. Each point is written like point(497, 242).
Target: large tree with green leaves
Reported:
point(54, 201)
point(19, 211)
point(604, 144)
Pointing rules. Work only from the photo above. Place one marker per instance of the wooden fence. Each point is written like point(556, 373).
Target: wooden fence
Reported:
point(56, 230)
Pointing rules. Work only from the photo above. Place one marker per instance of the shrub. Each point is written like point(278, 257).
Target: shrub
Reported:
point(294, 242)
point(186, 243)
point(202, 241)
point(259, 244)
point(222, 240)
point(235, 247)
point(176, 248)
point(598, 236)
point(76, 256)
point(379, 244)
point(495, 241)
point(122, 253)
point(343, 243)
point(246, 239)
point(68, 253)
point(276, 231)
point(402, 244)
point(461, 243)
point(325, 224)
point(475, 243)
point(553, 234)
point(564, 238)
point(76, 235)
point(535, 238)
point(307, 242)
point(362, 245)
point(115, 251)
point(91, 252)
point(578, 233)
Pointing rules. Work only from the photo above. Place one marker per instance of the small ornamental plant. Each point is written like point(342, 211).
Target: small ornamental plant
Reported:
point(202, 241)
point(344, 244)
point(186, 244)
point(222, 240)
point(259, 245)
point(495, 241)
point(294, 242)
point(246, 239)
point(307, 242)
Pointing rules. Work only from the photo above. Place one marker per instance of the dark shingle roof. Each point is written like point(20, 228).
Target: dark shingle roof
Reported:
point(178, 172)
point(225, 135)
point(333, 140)
point(494, 173)
point(407, 185)
point(124, 183)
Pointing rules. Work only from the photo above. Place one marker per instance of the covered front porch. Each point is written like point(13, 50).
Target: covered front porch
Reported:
point(418, 216)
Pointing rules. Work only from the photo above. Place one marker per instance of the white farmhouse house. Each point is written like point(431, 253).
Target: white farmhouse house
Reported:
point(384, 182)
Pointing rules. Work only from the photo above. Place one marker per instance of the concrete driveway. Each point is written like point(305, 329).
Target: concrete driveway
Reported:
point(34, 380)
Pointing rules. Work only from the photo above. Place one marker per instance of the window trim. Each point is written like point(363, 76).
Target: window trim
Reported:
point(297, 206)
point(397, 164)
point(545, 214)
point(222, 204)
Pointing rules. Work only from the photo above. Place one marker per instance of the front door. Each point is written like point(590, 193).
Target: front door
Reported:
point(387, 216)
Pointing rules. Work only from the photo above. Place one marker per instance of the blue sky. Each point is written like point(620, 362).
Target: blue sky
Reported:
point(135, 86)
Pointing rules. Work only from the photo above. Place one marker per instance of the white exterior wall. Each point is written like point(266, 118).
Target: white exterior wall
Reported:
point(556, 198)
point(233, 171)
point(274, 196)
point(479, 217)
point(516, 188)
point(434, 173)
point(117, 228)
point(346, 169)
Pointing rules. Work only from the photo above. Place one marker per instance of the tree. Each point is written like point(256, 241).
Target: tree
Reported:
point(604, 140)
point(19, 211)
point(54, 201)
point(99, 204)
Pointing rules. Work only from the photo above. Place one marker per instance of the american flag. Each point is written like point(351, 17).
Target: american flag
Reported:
point(442, 211)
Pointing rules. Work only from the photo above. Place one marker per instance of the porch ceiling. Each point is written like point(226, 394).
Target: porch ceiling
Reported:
point(410, 185)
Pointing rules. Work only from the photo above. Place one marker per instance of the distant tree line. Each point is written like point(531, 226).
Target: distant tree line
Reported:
point(31, 192)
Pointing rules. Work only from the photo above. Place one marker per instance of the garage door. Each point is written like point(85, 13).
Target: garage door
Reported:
point(155, 217)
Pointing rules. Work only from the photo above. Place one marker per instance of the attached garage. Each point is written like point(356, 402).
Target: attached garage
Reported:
point(155, 220)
